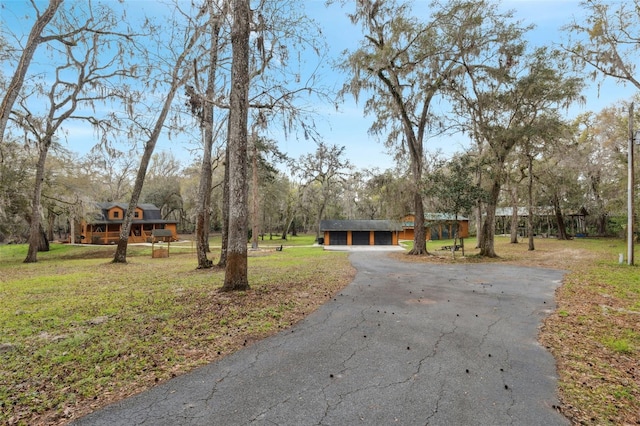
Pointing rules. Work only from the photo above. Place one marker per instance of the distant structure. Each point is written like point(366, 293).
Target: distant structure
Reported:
point(359, 232)
point(105, 226)
point(438, 226)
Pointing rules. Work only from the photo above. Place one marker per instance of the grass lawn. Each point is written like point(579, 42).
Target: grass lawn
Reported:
point(77, 332)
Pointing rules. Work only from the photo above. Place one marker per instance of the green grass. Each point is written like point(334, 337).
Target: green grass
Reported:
point(82, 329)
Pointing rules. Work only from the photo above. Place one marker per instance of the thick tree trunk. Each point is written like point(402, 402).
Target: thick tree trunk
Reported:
point(419, 234)
point(51, 217)
point(236, 271)
point(513, 192)
point(562, 230)
point(35, 227)
point(319, 217)
point(43, 243)
point(487, 248)
point(514, 224)
point(35, 38)
point(204, 191)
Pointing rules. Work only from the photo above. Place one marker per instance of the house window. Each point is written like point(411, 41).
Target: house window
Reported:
point(116, 214)
point(136, 215)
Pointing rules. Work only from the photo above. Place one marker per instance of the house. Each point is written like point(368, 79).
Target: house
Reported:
point(438, 226)
point(104, 227)
point(359, 232)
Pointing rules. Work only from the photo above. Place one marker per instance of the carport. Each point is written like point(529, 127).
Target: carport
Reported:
point(360, 232)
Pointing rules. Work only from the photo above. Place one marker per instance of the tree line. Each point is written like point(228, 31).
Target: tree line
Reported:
point(224, 73)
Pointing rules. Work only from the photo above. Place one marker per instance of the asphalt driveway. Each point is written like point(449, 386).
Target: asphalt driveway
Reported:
point(405, 343)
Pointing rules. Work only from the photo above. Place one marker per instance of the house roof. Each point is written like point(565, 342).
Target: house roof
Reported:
point(524, 211)
point(150, 213)
point(430, 218)
point(359, 225)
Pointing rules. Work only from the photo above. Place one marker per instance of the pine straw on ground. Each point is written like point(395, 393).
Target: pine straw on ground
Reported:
point(594, 334)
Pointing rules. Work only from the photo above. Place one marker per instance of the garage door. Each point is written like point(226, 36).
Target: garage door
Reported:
point(360, 238)
point(383, 238)
point(338, 238)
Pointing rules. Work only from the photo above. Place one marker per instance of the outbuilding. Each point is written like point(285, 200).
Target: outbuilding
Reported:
point(359, 232)
point(438, 226)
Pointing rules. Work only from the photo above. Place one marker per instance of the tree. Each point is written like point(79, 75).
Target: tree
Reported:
point(162, 185)
point(236, 273)
point(203, 107)
point(546, 130)
point(323, 169)
point(108, 172)
point(262, 172)
point(608, 40)
point(35, 39)
point(404, 64)
point(15, 181)
point(85, 74)
point(176, 78)
point(450, 184)
point(503, 100)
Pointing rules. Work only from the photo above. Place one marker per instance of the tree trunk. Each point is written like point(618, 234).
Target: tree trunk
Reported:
point(319, 218)
point(72, 228)
point(255, 230)
point(514, 224)
point(602, 224)
point(478, 209)
point(35, 226)
point(487, 248)
point(204, 192)
point(419, 234)
point(530, 219)
point(35, 38)
point(51, 218)
point(562, 230)
point(123, 239)
point(222, 263)
point(204, 188)
point(236, 271)
point(43, 243)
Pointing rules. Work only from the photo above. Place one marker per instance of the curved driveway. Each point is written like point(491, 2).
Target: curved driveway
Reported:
point(405, 343)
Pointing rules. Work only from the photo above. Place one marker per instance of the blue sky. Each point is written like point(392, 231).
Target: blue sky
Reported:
point(348, 126)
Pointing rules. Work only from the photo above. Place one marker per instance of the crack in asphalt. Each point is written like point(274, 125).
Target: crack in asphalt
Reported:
point(391, 347)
